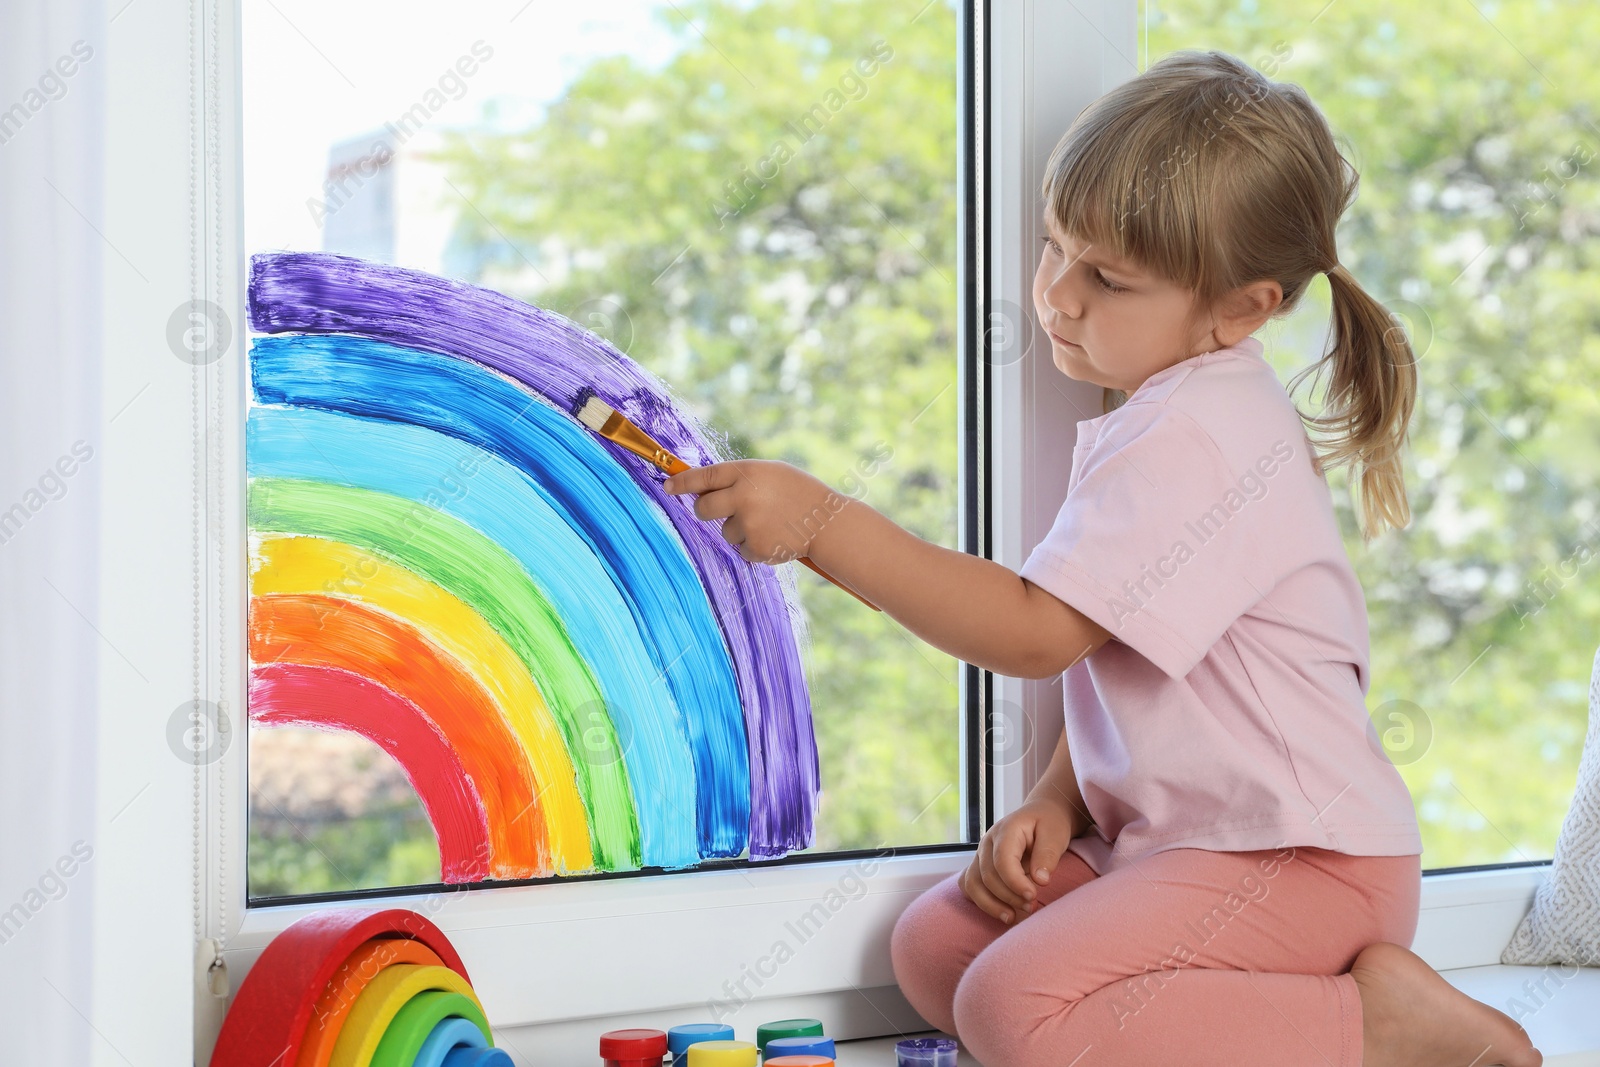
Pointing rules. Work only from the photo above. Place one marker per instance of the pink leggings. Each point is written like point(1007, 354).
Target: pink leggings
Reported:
point(1194, 957)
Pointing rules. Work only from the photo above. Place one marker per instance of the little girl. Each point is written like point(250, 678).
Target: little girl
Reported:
point(1220, 866)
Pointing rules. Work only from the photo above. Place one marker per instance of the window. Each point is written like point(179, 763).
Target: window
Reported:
point(757, 202)
point(1475, 165)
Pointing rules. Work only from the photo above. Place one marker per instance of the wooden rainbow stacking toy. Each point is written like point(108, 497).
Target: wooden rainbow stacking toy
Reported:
point(358, 989)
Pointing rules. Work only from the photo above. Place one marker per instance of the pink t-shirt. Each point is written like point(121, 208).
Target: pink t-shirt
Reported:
point(1228, 711)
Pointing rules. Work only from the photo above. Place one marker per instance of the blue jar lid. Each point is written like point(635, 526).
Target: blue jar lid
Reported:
point(801, 1046)
point(679, 1038)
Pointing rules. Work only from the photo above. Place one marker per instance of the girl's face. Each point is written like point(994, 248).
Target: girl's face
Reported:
point(1108, 323)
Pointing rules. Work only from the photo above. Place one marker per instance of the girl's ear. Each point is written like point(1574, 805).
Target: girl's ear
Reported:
point(1246, 310)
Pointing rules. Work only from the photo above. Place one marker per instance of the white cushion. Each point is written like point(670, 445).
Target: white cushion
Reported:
point(1563, 926)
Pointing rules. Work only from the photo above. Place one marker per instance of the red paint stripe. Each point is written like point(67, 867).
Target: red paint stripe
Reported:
point(348, 635)
point(288, 694)
point(267, 1021)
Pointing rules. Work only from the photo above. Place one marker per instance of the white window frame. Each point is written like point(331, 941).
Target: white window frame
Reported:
point(528, 948)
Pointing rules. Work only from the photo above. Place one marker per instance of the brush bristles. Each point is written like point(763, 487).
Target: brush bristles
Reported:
point(594, 414)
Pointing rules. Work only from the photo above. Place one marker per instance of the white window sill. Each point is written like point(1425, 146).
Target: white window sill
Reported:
point(1561, 1018)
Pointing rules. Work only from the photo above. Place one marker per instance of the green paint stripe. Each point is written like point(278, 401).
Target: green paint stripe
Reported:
point(452, 554)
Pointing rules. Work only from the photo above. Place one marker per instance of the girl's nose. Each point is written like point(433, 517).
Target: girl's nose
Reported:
point(1061, 296)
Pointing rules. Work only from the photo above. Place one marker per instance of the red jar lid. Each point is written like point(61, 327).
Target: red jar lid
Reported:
point(638, 1044)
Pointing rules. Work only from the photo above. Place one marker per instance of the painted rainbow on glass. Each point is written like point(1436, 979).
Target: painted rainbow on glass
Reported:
point(574, 672)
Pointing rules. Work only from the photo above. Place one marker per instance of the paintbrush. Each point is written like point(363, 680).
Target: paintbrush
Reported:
point(613, 425)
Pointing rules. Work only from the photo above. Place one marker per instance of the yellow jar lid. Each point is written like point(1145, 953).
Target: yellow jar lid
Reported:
point(722, 1054)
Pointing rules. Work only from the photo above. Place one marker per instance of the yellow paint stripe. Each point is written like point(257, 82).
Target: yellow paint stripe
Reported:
point(301, 565)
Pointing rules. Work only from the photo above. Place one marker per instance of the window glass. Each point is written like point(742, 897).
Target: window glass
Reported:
point(754, 200)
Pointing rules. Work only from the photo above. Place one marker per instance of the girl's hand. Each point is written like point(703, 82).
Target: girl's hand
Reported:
point(1017, 853)
point(771, 511)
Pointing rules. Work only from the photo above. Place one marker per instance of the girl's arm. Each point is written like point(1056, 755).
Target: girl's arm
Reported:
point(1059, 784)
point(974, 609)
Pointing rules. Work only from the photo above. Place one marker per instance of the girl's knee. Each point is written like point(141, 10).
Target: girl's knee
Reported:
point(927, 956)
point(987, 1009)
point(917, 936)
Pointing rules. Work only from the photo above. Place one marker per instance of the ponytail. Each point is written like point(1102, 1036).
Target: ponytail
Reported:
point(1372, 386)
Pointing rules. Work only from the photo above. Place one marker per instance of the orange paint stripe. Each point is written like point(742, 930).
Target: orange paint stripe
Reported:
point(346, 634)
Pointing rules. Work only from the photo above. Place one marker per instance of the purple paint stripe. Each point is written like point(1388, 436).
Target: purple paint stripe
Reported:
point(319, 293)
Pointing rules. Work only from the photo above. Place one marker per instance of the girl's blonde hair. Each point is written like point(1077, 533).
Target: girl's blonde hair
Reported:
point(1209, 175)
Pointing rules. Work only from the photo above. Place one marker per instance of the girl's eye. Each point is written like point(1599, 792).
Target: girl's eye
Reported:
point(1105, 283)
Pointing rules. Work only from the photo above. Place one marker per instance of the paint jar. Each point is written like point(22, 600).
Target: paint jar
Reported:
point(721, 1054)
point(633, 1048)
point(925, 1052)
point(799, 1046)
point(679, 1038)
point(786, 1028)
point(798, 1061)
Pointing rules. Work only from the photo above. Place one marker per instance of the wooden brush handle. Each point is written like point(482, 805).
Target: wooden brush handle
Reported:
point(807, 561)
